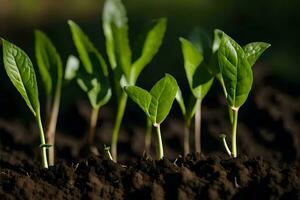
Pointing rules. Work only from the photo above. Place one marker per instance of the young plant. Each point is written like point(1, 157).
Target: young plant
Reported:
point(200, 80)
point(235, 65)
point(125, 71)
point(93, 77)
point(20, 71)
point(156, 104)
point(51, 72)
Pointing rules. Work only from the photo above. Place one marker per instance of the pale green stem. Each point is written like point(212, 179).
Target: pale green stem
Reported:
point(148, 135)
point(93, 125)
point(42, 138)
point(118, 121)
point(198, 128)
point(234, 129)
point(186, 141)
point(225, 145)
point(160, 148)
point(51, 127)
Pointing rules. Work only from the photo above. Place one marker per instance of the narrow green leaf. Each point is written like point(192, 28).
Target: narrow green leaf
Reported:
point(151, 45)
point(199, 78)
point(236, 71)
point(49, 62)
point(72, 67)
point(93, 79)
point(86, 50)
point(116, 34)
point(254, 50)
point(139, 96)
point(163, 94)
point(21, 73)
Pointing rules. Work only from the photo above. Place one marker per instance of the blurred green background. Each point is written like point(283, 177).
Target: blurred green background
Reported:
point(275, 22)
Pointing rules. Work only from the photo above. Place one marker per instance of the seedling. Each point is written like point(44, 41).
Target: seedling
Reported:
point(126, 72)
point(20, 71)
point(93, 77)
point(235, 65)
point(51, 72)
point(156, 104)
point(200, 80)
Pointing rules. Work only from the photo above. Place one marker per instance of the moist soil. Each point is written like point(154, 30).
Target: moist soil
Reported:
point(267, 166)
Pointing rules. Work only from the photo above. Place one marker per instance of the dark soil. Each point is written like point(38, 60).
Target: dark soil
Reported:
point(268, 133)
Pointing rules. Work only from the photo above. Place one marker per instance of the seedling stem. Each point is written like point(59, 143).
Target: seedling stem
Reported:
point(198, 127)
point(116, 130)
point(50, 134)
point(148, 136)
point(234, 128)
point(223, 137)
point(160, 148)
point(43, 143)
point(93, 124)
point(186, 138)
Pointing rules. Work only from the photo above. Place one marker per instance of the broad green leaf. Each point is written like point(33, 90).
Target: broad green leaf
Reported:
point(157, 103)
point(151, 45)
point(199, 78)
point(49, 62)
point(72, 67)
point(93, 79)
point(86, 50)
point(163, 94)
point(254, 50)
point(21, 73)
point(236, 71)
point(139, 96)
point(116, 34)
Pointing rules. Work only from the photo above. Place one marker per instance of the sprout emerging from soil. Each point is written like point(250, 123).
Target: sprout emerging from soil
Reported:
point(20, 71)
point(51, 72)
point(235, 64)
point(156, 104)
point(196, 57)
point(92, 77)
point(125, 71)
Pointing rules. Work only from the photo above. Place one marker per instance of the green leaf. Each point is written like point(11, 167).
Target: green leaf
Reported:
point(236, 71)
point(21, 73)
point(157, 103)
point(254, 50)
point(72, 67)
point(93, 79)
point(116, 34)
point(163, 94)
point(49, 62)
point(151, 45)
point(217, 40)
point(86, 50)
point(96, 86)
point(199, 78)
point(139, 96)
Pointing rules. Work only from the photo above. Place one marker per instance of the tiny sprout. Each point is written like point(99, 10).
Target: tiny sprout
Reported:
point(107, 153)
point(156, 104)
